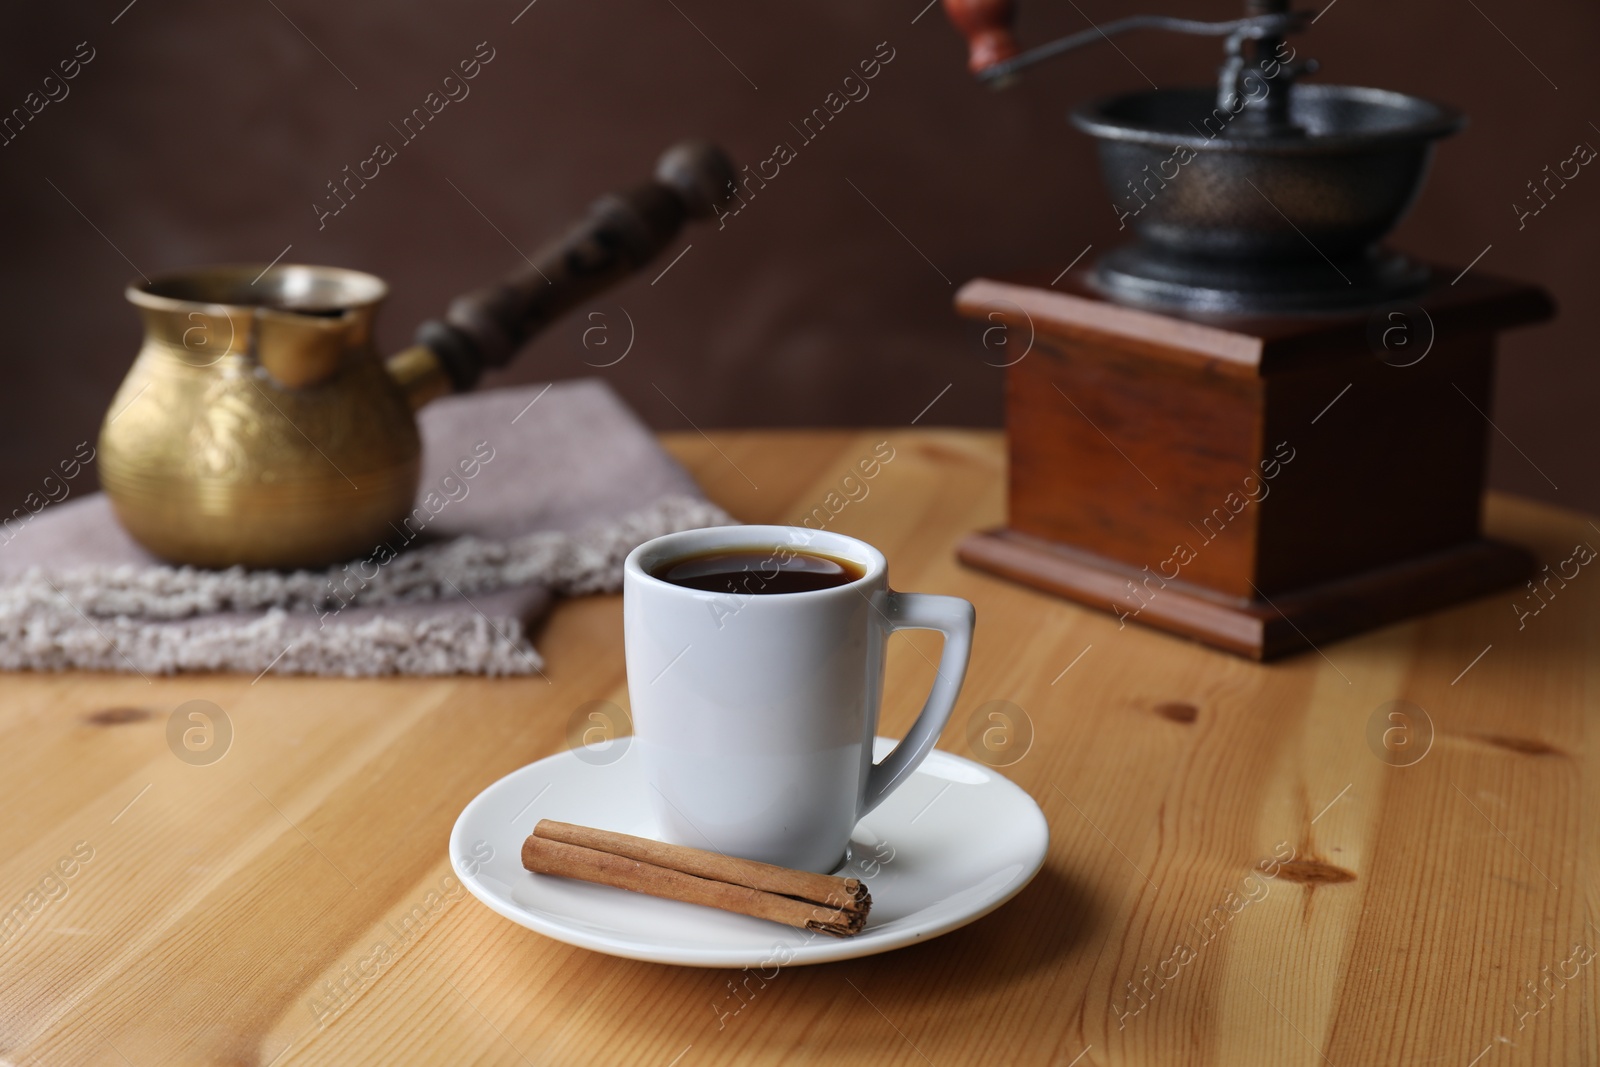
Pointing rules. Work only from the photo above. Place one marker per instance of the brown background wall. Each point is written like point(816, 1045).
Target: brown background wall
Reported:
point(204, 133)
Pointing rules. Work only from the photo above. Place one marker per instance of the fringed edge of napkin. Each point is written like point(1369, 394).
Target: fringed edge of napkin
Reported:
point(452, 644)
point(162, 620)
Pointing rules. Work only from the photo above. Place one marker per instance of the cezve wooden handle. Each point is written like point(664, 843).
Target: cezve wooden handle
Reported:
point(621, 233)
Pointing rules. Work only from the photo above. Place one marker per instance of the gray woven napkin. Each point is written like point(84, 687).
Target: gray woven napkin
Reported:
point(526, 494)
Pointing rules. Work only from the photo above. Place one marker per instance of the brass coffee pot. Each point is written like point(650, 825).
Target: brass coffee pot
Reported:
point(258, 425)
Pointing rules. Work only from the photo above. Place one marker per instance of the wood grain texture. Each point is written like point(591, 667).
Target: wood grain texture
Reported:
point(220, 900)
point(1128, 457)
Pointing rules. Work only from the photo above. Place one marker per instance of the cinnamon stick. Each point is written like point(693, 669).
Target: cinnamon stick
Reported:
point(848, 893)
point(544, 856)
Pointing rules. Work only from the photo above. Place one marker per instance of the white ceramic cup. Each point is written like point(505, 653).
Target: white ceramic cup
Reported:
point(754, 713)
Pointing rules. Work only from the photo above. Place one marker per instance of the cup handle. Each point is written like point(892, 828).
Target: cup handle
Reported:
point(954, 618)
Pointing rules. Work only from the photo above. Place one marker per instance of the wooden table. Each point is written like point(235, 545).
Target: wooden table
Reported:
point(209, 907)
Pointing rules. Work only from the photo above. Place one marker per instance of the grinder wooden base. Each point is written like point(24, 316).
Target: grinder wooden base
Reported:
point(1256, 484)
point(1263, 630)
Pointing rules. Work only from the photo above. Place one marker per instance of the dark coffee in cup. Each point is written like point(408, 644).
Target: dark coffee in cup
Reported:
point(758, 570)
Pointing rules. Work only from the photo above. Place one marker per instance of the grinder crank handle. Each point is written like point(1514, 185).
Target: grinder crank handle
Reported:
point(620, 234)
point(994, 55)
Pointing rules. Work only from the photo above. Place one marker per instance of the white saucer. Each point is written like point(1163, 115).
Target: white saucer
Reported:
point(949, 846)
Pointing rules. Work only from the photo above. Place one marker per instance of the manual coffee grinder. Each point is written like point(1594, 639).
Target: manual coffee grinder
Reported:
point(1252, 425)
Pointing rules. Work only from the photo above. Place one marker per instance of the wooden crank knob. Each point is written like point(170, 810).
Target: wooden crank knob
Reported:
point(986, 24)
